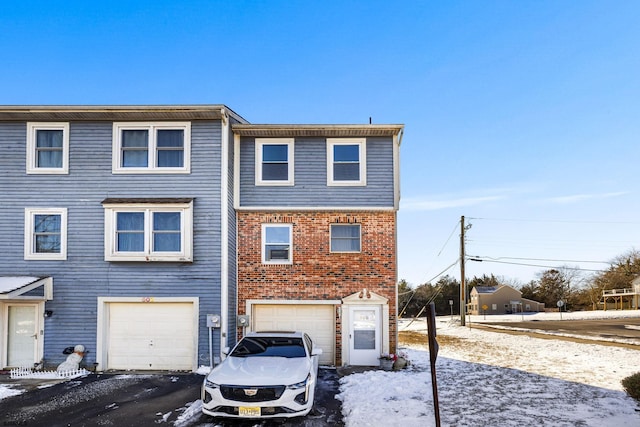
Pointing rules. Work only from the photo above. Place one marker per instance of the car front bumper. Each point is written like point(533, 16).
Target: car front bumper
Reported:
point(286, 406)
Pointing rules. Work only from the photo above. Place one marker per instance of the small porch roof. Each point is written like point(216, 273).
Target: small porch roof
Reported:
point(15, 287)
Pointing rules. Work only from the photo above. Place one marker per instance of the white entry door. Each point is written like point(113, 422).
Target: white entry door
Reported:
point(364, 335)
point(22, 335)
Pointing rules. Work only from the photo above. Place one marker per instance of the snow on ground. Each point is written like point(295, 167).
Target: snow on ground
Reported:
point(487, 378)
point(8, 391)
point(484, 378)
point(88, 393)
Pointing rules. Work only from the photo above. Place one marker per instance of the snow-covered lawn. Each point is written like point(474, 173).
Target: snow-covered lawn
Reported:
point(494, 379)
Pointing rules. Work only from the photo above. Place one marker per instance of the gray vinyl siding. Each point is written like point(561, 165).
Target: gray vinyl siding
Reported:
point(85, 275)
point(232, 236)
point(310, 176)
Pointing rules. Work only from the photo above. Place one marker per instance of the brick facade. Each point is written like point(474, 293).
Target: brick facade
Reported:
point(316, 273)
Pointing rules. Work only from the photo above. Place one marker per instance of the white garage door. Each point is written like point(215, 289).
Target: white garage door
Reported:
point(316, 320)
point(151, 336)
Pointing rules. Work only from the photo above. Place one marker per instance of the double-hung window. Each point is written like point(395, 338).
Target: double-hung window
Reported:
point(162, 147)
point(345, 237)
point(346, 161)
point(47, 148)
point(276, 243)
point(274, 161)
point(45, 233)
point(149, 230)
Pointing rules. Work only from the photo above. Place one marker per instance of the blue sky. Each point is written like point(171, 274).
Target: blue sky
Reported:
point(521, 115)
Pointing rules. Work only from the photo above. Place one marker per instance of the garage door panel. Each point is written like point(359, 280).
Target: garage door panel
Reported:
point(151, 336)
point(316, 320)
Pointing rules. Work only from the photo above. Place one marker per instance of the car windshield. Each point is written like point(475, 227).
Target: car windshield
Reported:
point(269, 346)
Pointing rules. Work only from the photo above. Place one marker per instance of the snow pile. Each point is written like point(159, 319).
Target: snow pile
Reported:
point(191, 412)
point(8, 391)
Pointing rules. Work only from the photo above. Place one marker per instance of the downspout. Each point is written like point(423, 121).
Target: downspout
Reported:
point(397, 139)
point(224, 230)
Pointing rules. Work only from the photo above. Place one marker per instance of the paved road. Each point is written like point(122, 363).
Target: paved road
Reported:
point(141, 400)
point(628, 329)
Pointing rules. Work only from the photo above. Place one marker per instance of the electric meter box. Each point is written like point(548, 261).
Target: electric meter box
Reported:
point(243, 320)
point(213, 320)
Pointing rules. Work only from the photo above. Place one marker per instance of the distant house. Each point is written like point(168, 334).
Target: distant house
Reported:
point(501, 299)
point(628, 298)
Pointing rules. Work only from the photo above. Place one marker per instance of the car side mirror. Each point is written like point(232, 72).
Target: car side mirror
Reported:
point(316, 351)
point(226, 351)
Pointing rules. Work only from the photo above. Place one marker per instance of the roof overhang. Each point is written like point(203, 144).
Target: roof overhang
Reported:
point(116, 112)
point(280, 131)
point(15, 287)
point(146, 201)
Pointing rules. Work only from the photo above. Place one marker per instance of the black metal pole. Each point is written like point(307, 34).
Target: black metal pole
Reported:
point(433, 354)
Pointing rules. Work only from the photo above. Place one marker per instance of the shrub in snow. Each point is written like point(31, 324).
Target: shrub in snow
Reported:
point(631, 385)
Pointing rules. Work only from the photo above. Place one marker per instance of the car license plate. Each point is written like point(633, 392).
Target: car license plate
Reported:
point(249, 411)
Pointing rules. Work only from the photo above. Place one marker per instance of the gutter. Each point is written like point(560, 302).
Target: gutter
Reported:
point(224, 231)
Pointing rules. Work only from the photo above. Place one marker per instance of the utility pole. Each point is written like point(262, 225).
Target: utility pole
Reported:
point(463, 286)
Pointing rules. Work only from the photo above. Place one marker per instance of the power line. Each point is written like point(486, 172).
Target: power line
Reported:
point(428, 281)
point(540, 265)
point(559, 221)
point(440, 252)
point(455, 227)
point(539, 259)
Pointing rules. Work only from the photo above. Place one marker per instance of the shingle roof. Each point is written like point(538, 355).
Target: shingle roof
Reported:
point(486, 289)
point(115, 112)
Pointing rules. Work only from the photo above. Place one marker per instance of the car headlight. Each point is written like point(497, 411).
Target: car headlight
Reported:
point(206, 387)
point(300, 385)
point(210, 384)
point(302, 398)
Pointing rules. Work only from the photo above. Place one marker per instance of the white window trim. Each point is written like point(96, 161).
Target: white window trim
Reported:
point(289, 142)
point(29, 249)
point(118, 127)
point(264, 243)
point(343, 225)
point(32, 131)
point(186, 232)
point(362, 142)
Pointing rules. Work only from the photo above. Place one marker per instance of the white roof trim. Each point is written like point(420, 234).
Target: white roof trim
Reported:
point(14, 287)
point(318, 208)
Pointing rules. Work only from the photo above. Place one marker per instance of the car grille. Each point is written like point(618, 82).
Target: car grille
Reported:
point(245, 394)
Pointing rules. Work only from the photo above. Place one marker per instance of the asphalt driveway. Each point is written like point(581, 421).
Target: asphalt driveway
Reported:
point(116, 399)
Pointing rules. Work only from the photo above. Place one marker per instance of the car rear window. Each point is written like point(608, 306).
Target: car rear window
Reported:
point(269, 346)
